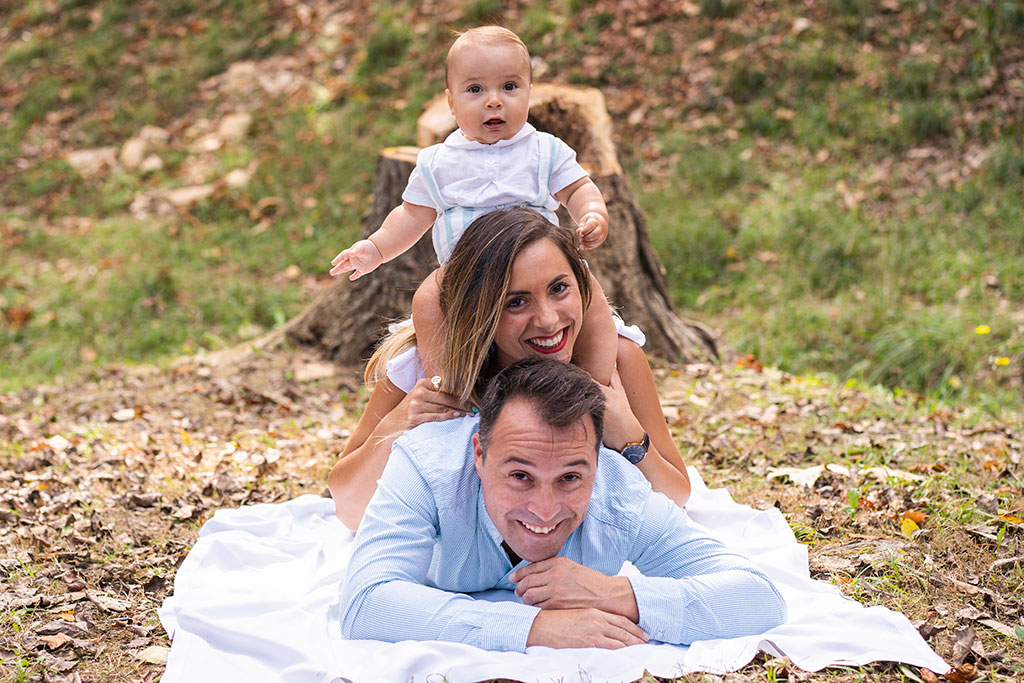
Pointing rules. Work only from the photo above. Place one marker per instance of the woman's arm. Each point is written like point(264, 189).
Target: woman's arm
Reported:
point(389, 413)
point(663, 466)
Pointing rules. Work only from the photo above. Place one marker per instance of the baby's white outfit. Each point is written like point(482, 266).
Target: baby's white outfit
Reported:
point(463, 179)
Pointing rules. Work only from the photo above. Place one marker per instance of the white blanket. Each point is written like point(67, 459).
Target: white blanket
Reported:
point(257, 600)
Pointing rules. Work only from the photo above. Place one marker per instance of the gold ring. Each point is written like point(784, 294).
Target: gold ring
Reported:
point(436, 381)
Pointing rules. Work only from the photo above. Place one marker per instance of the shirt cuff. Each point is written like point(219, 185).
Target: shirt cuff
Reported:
point(650, 605)
point(505, 626)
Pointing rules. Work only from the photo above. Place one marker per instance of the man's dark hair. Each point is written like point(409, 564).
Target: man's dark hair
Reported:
point(559, 392)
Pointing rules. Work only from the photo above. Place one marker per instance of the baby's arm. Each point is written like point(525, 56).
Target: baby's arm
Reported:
point(402, 228)
point(586, 206)
point(598, 342)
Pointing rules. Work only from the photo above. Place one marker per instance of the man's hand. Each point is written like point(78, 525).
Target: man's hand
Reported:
point(559, 583)
point(583, 628)
point(362, 258)
point(593, 229)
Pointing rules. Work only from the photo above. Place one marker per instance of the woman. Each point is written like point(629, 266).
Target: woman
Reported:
point(515, 286)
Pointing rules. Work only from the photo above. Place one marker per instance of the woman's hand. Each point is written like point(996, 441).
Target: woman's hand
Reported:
point(620, 425)
point(425, 403)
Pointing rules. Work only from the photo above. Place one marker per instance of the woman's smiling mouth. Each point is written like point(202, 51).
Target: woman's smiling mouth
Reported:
point(552, 344)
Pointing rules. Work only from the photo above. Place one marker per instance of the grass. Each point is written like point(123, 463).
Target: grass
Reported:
point(115, 288)
point(83, 60)
point(797, 219)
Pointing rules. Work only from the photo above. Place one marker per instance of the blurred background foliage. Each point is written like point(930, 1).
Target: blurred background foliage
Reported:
point(836, 185)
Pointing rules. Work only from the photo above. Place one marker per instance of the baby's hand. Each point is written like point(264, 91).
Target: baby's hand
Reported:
point(362, 258)
point(593, 229)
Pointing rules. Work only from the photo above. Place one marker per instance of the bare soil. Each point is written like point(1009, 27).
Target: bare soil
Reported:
point(106, 481)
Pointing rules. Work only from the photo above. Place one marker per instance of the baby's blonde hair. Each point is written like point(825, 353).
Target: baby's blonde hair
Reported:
point(488, 35)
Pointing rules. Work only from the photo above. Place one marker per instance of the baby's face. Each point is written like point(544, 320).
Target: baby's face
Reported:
point(489, 91)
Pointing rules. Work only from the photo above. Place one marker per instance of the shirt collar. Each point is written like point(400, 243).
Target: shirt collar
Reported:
point(457, 140)
point(487, 522)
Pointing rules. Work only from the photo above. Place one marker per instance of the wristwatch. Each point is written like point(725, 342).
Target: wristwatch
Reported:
point(635, 451)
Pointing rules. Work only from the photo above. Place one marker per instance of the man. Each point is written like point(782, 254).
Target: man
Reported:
point(538, 509)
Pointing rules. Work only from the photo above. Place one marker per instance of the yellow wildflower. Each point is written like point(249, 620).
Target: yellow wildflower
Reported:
point(1002, 360)
point(982, 329)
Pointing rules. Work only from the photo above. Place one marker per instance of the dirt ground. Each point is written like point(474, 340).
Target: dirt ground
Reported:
point(105, 482)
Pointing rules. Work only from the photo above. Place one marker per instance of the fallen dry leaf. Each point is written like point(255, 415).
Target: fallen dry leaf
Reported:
point(17, 316)
point(886, 473)
point(106, 602)
point(916, 516)
point(964, 587)
point(806, 476)
point(908, 527)
point(750, 361)
point(970, 612)
point(57, 641)
point(965, 638)
point(58, 664)
point(999, 627)
point(964, 673)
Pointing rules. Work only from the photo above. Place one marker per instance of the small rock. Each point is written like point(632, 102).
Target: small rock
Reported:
point(207, 143)
point(92, 162)
point(151, 163)
point(58, 443)
point(154, 654)
point(238, 178)
point(235, 126)
point(154, 135)
point(133, 151)
point(184, 197)
point(124, 415)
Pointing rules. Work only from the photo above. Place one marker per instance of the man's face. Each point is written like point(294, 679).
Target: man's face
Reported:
point(536, 479)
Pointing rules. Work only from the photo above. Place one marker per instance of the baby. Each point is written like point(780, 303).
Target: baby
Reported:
point(495, 159)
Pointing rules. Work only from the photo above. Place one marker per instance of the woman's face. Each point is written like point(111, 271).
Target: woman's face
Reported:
point(542, 310)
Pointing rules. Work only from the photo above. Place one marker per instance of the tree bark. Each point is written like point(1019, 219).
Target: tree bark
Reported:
point(348, 318)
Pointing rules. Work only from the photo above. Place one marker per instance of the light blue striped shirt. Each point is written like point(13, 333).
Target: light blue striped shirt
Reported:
point(426, 541)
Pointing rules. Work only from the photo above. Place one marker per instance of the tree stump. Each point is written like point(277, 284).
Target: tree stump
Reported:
point(348, 318)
